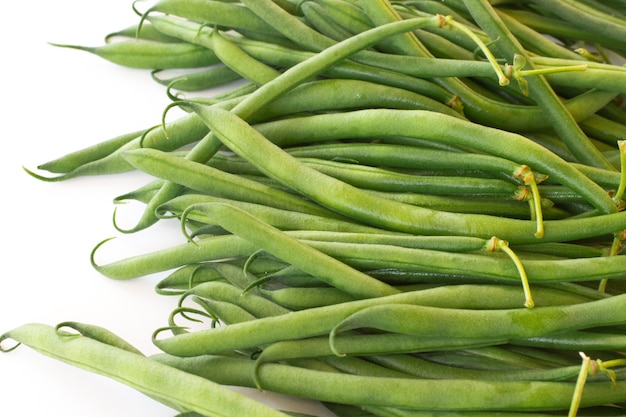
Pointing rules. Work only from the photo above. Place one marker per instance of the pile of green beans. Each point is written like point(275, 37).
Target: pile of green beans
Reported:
point(409, 208)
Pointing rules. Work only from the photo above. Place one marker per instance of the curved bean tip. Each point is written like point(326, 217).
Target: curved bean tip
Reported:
point(183, 223)
point(331, 341)
point(8, 349)
point(157, 332)
point(67, 329)
point(92, 255)
point(44, 178)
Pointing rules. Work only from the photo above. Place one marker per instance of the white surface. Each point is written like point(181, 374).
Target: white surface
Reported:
point(56, 101)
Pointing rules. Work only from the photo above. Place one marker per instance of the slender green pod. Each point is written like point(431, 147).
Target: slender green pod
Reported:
point(319, 321)
point(210, 12)
point(389, 214)
point(503, 324)
point(172, 387)
point(214, 76)
point(538, 87)
point(603, 24)
point(240, 62)
point(204, 178)
point(412, 395)
point(291, 250)
point(435, 127)
point(209, 145)
point(151, 54)
point(193, 206)
point(73, 160)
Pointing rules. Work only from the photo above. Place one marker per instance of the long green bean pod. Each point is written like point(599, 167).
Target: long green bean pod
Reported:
point(174, 388)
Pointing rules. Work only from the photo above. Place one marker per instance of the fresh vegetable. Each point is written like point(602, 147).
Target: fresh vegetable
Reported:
point(393, 208)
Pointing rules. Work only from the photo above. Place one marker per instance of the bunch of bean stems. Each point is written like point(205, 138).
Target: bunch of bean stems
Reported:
point(409, 208)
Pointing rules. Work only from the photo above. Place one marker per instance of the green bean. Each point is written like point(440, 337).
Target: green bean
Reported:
point(379, 179)
point(345, 94)
point(488, 324)
point(578, 340)
point(102, 159)
point(214, 76)
point(372, 256)
point(317, 16)
point(254, 304)
point(345, 14)
point(603, 129)
point(73, 160)
point(180, 390)
point(303, 298)
point(217, 183)
point(151, 54)
point(210, 12)
point(425, 368)
point(400, 156)
point(192, 206)
point(504, 208)
point(538, 88)
point(593, 20)
point(272, 54)
point(188, 276)
point(387, 213)
point(147, 32)
point(409, 394)
point(319, 321)
point(556, 27)
point(236, 59)
point(534, 41)
point(388, 123)
point(142, 194)
point(301, 256)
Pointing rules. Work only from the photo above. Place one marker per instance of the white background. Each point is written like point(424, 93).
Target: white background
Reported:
point(55, 101)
